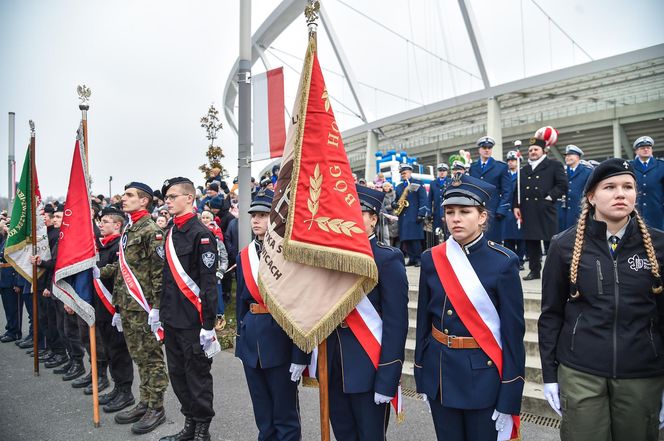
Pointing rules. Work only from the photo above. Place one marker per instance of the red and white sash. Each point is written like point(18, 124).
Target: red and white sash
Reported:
point(104, 295)
point(367, 326)
point(250, 260)
point(472, 303)
point(186, 284)
point(134, 287)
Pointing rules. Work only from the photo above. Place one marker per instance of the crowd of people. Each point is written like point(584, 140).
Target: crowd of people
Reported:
point(167, 259)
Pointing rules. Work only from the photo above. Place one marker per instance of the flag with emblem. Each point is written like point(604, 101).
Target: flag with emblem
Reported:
point(315, 234)
point(77, 253)
point(18, 248)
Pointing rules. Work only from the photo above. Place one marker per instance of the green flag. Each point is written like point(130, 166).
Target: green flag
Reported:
point(18, 248)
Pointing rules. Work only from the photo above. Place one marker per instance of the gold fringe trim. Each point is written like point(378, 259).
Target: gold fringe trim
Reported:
point(332, 259)
point(328, 323)
point(401, 417)
point(310, 382)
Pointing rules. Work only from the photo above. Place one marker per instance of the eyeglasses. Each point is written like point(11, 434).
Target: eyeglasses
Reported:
point(172, 197)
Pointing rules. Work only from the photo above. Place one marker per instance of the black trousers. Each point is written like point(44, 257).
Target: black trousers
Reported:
point(73, 343)
point(189, 371)
point(84, 332)
point(413, 249)
point(534, 252)
point(117, 354)
point(462, 424)
point(53, 340)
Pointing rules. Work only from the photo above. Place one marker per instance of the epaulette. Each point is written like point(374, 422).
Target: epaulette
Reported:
point(498, 248)
point(386, 247)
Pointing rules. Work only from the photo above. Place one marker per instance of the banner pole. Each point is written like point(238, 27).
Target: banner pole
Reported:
point(323, 392)
point(84, 95)
point(33, 234)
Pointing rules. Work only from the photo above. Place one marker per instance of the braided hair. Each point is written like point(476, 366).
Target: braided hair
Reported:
point(578, 248)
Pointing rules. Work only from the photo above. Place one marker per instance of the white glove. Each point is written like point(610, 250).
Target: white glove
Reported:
point(205, 337)
point(96, 274)
point(504, 425)
point(117, 322)
point(153, 320)
point(296, 371)
point(381, 399)
point(552, 395)
point(661, 413)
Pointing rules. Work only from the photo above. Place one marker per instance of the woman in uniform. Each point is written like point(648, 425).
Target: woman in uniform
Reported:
point(361, 386)
point(272, 363)
point(601, 331)
point(469, 353)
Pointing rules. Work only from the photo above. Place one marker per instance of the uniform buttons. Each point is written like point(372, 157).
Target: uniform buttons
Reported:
point(446, 331)
point(449, 312)
point(535, 199)
point(526, 198)
point(527, 188)
point(536, 188)
point(489, 363)
point(537, 177)
point(481, 177)
point(530, 177)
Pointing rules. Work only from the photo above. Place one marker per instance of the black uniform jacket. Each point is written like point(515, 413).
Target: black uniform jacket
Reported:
point(107, 254)
point(196, 248)
point(615, 329)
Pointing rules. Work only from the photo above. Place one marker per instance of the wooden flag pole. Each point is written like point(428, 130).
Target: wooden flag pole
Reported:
point(33, 235)
point(323, 392)
point(311, 13)
point(84, 95)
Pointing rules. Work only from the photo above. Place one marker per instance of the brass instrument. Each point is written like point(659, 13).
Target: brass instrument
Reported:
point(402, 203)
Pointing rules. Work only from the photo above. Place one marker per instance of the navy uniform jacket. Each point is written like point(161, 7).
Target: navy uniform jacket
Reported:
point(390, 298)
point(467, 378)
point(511, 230)
point(650, 198)
point(260, 340)
point(409, 228)
point(196, 248)
point(495, 173)
point(7, 272)
point(576, 182)
point(436, 190)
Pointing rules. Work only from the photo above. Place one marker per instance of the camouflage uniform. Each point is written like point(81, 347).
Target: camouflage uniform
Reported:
point(143, 248)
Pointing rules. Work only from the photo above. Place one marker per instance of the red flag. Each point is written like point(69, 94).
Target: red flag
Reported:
point(268, 105)
point(317, 263)
point(77, 253)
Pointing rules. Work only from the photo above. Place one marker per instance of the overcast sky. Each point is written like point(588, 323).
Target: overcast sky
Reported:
point(154, 67)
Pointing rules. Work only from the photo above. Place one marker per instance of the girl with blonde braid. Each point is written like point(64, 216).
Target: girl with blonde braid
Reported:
point(601, 331)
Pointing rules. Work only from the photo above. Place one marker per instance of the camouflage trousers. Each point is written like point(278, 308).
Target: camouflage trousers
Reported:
point(146, 352)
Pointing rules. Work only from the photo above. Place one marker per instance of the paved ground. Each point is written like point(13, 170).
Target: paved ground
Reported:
point(45, 408)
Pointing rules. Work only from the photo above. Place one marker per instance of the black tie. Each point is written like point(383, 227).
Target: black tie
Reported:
point(613, 244)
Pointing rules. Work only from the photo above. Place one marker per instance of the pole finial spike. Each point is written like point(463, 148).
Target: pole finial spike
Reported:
point(32, 127)
point(84, 93)
point(311, 12)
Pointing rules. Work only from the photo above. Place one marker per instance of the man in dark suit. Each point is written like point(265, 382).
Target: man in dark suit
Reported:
point(543, 181)
point(577, 175)
point(411, 219)
point(650, 182)
point(495, 173)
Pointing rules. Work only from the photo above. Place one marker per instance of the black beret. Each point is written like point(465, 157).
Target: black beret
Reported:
point(214, 186)
point(48, 208)
point(140, 186)
point(60, 208)
point(111, 210)
point(168, 183)
point(607, 169)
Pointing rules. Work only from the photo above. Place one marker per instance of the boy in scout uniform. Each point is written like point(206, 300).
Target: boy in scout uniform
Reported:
point(142, 248)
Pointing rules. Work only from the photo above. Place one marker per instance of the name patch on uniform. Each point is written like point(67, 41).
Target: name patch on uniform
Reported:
point(208, 257)
point(160, 251)
point(636, 263)
point(205, 240)
point(158, 236)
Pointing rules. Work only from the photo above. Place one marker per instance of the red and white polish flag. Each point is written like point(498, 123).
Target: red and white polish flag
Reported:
point(269, 134)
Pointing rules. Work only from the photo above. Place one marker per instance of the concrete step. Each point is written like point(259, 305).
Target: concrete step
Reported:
point(532, 302)
point(412, 310)
point(413, 292)
point(531, 321)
